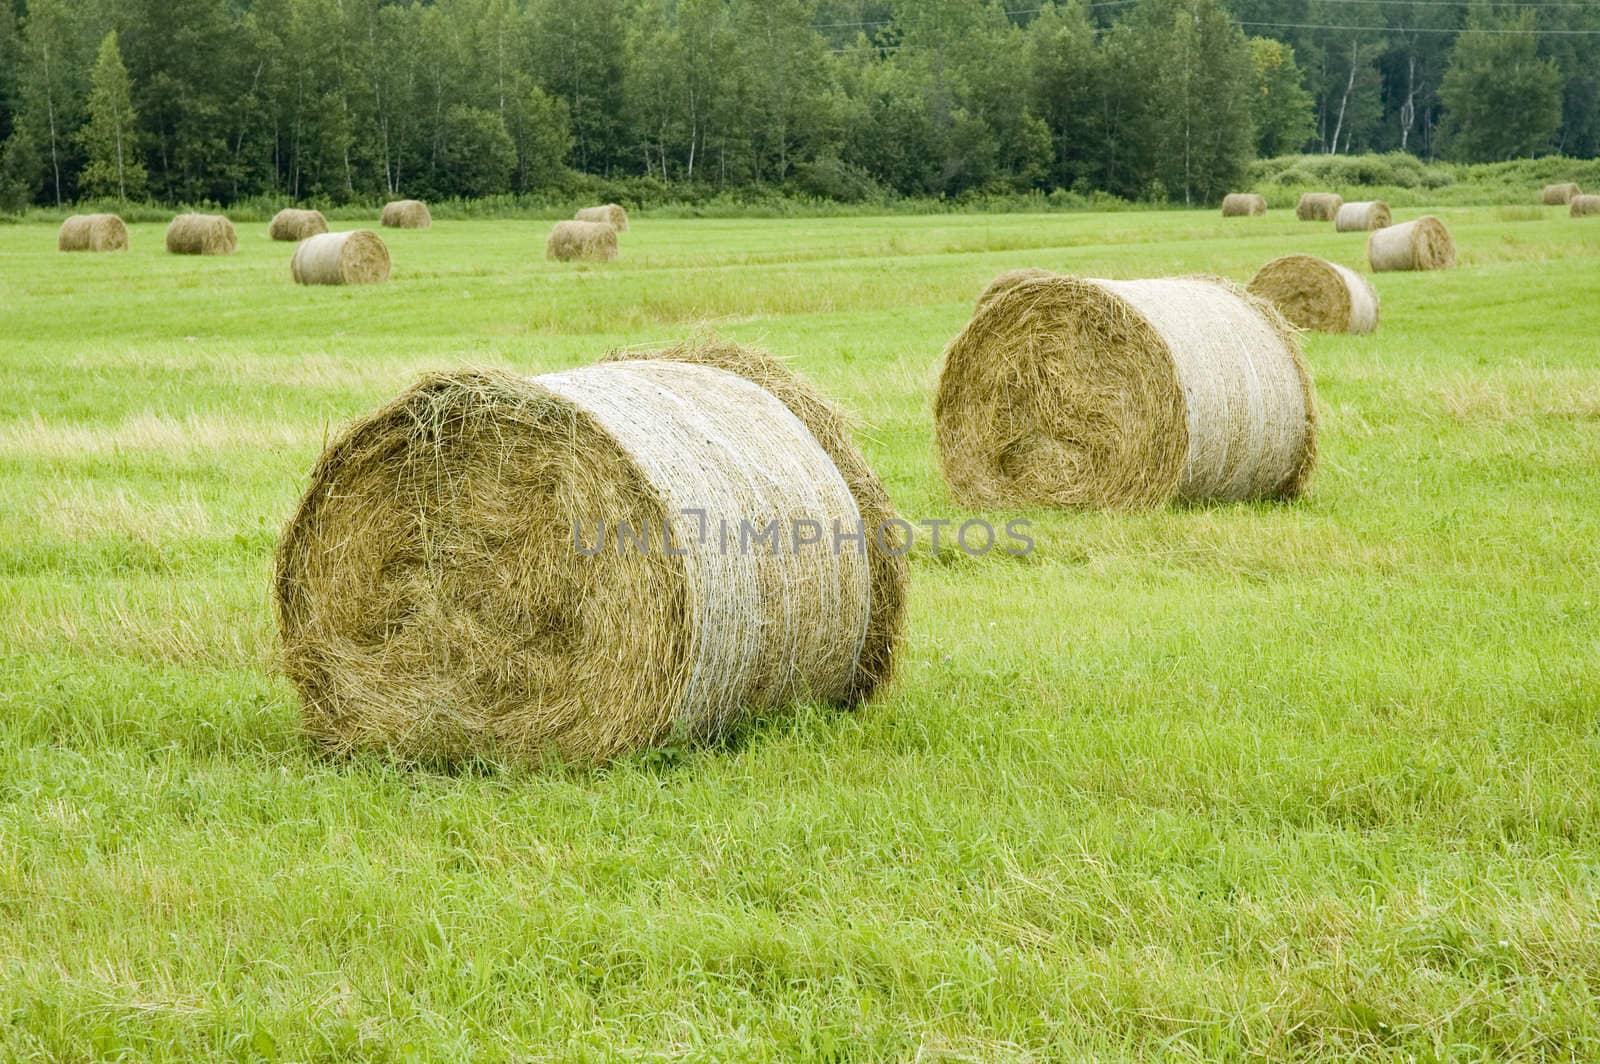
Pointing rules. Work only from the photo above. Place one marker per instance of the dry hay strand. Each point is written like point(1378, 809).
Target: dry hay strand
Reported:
point(1585, 205)
point(1318, 206)
point(589, 241)
point(610, 213)
point(1009, 280)
point(201, 234)
point(1424, 244)
point(357, 257)
point(1314, 293)
point(1243, 205)
point(406, 214)
point(1074, 392)
point(294, 224)
point(1359, 217)
point(92, 232)
point(437, 599)
point(1559, 195)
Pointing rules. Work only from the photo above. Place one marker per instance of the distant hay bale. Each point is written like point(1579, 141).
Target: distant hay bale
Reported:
point(1559, 195)
point(1318, 206)
point(1357, 217)
point(1424, 244)
point(1585, 205)
point(484, 567)
point(293, 224)
point(1072, 392)
point(356, 257)
point(589, 241)
point(1317, 294)
point(92, 232)
point(201, 234)
point(1005, 282)
point(609, 213)
point(406, 214)
point(1243, 204)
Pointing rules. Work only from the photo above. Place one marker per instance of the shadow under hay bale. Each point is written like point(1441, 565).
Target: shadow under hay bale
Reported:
point(294, 224)
point(1424, 244)
point(1318, 206)
point(92, 232)
point(406, 214)
point(357, 257)
point(1314, 293)
point(1559, 195)
point(582, 241)
point(1359, 217)
point(1584, 206)
point(1005, 282)
point(1243, 205)
point(610, 213)
point(201, 234)
point(1074, 392)
point(447, 589)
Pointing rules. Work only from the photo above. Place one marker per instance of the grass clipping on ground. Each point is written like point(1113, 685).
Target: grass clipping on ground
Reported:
point(294, 224)
point(1072, 392)
point(437, 595)
point(201, 234)
point(1317, 294)
point(356, 257)
point(92, 232)
point(1423, 244)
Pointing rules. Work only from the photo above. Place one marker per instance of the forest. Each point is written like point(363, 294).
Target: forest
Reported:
point(336, 101)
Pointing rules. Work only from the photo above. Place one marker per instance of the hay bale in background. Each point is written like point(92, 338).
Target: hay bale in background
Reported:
point(1243, 204)
point(201, 234)
point(1358, 217)
point(434, 601)
point(92, 232)
point(1073, 392)
point(1559, 195)
point(610, 213)
point(1318, 206)
point(1009, 280)
point(356, 257)
point(589, 241)
point(1424, 244)
point(1585, 205)
point(293, 224)
point(406, 214)
point(1317, 294)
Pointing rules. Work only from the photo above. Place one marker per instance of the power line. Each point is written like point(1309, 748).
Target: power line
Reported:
point(1421, 29)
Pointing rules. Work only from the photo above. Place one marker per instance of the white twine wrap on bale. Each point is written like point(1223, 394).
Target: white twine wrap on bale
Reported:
point(356, 257)
point(1317, 294)
point(1357, 217)
point(1074, 392)
point(609, 213)
point(292, 223)
point(1318, 206)
point(201, 234)
point(1559, 195)
point(406, 214)
point(92, 232)
point(1585, 205)
point(1243, 205)
point(1423, 244)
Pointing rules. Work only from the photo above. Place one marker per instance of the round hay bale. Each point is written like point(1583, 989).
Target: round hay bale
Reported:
point(1424, 244)
point(610, 213)
point(356, 257)
point(1585, 205)
point(445, 589)
point(1317, 294)
point(293, 224)
point(588, 241)
point(92, 232)
point(1559, 195)
point(201, 234)
point(1243, 205)
point(1318, 206)
point(407, 214)
point(1358, 217)
point(1009, 280)
point(1073, 392)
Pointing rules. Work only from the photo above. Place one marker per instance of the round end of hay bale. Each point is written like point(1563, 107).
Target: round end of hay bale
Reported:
point(611, 214)
point(201, 234)
point(292, 224)
point(1243, 205)
point(92, 232)
point(1318, 207)
point(1559, 194)
point(356, 257)
point(406, 214)
point(1359, 217)
point(1422, 244)
point(1585, 206)
point(1314, 293)
point(576, 241)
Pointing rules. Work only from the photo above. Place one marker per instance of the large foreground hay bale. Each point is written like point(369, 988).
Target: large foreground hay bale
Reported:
point(92, 232)
point(590, 241)
point(610, 213)
point(443, 591)
point(407, 214)
point(1559, 195)
point(1317, 294)
point(1358, 217)
point(201, 234)
point(1005, 282)
point(1067, 391)
point(294, 224)
point(1585, 205)
point(1424, 244)
point(1318, 206)
point(356, 257)
point(1243, 204)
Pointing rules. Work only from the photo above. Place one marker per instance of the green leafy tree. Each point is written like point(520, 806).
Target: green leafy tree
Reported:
point(21, 170)
point(1065, 84)
point(479, 155)
point(113, 168)
point(541, 135)
point(1281, 107)
point(1502, 99)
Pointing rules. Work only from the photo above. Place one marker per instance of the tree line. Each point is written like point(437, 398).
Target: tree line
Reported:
point(355, 100)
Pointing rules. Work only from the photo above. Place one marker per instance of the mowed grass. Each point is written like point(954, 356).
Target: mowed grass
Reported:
point(1307, 780)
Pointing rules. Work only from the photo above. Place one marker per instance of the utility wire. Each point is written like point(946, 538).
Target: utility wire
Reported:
point(1496, 31)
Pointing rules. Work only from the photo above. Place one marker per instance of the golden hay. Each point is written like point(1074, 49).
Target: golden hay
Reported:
point(92, 232)
point(406, 214)
point(1009, 280)
point(1073, 392)
point(610, 213)
point(444, 589)
point(1424, 244)
point(1559, 195)
point(1243, 204)
point(293, 224)
point(592, 241)
point(1318, 206)
point(356, 257)
point(1358, 217)
point(201, 234)
point(1317, 294)
point(1585, 205)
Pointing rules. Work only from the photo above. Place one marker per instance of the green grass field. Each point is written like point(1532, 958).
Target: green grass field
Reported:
point(1287, 781)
